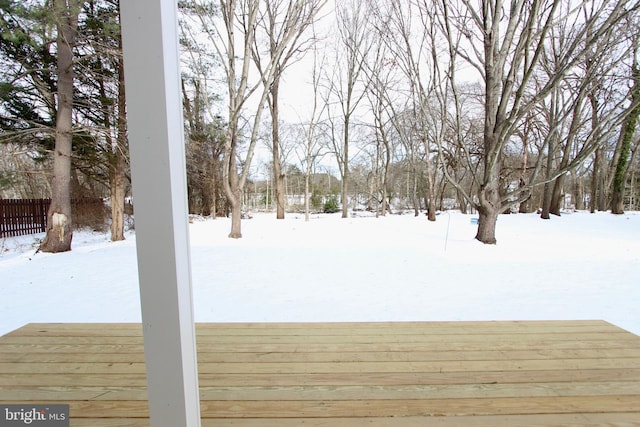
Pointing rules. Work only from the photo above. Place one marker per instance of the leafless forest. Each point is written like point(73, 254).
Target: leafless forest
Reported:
point(477, 105)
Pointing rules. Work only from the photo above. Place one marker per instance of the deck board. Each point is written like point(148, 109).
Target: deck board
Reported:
point(542, 373)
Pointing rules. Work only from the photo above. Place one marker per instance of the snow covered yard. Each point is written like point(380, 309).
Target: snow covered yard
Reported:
point(399, 267)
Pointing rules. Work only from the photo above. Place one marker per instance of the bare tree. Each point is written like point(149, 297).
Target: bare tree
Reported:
point(428, 92)
point(59, 221)
point(237, 15)
point(312, 148)
point(627, 132)
point(235, 41)
point(342, 83)
point(380, 72)
point(405, 128)
point(514, 38)
point(585, 109)
point(282, 21)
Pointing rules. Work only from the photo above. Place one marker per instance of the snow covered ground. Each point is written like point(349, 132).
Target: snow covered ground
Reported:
point(399, 267)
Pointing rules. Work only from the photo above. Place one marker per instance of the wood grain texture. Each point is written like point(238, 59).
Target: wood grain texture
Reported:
point(540, 373)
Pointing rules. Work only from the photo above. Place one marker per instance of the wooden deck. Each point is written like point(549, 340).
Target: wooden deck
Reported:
point(578, 373)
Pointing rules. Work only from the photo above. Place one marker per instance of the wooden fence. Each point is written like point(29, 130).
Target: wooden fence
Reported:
point(23, 216)
point(29, 216)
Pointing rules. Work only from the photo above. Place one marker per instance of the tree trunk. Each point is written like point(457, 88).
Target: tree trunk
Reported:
point(431, 206)
point(442, 189)
point(462, 201)
point(278, 175)
point(548, 186)
point(578, 194)
point(603, 196)
point(594, 181)
point(307, 171)
point(489, 205)
point(234, 192)
point(487, 219)
point(547, 196)
point(557, 196)
point(236, 217)
point(116, 156)
point(214, 192)
point(489, 192)
point(626, 135)
point(414, 193)
point(117, 183)
point(598, 190)
point(306, 193)
point(524, 205)
point(59, 221)
point(279, 190)
point(344, 198)
point(546, 201)
point(118, 165)
point(633, 193)
point(385, 175)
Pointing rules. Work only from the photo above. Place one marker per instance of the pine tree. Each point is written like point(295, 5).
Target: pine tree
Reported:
point(59, 220)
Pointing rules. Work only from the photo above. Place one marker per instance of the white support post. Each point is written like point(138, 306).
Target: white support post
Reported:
point(156, 145)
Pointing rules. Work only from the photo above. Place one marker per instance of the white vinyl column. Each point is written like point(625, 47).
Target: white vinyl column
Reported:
point(156, 145)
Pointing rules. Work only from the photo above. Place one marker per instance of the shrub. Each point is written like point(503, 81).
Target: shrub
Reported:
point(316, 201)
point(331, 205)
point(90, 213)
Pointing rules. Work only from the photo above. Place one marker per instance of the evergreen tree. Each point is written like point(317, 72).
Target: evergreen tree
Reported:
point(28, 74)
point(59, 220)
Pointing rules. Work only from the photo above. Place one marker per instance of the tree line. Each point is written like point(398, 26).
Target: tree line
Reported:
point(497, 106)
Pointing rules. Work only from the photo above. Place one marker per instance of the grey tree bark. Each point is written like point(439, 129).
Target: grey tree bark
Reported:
point(59, 219)
point(284, 22)
point(119, 162)
point(515, 37)
point(627, 133)
point(248, 16)
point(343, 84)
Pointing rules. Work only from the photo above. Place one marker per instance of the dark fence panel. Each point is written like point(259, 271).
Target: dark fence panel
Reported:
point(29, 216)
point(23, 216)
